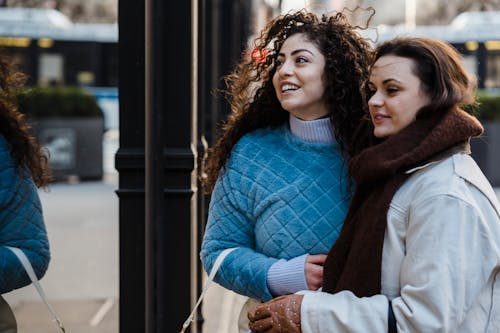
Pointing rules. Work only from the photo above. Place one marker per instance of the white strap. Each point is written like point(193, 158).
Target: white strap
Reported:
point(31, 273)
point(214, 270)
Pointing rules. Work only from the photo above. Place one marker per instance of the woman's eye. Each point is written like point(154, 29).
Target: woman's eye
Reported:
point(279, 62)
point(301, 60)
point(391, 91)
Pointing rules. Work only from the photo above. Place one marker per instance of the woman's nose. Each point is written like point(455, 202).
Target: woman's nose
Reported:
point(285, 69)
point(375, 100)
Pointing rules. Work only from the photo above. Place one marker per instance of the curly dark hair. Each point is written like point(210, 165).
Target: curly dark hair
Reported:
point(253, 100)
point(24, 148)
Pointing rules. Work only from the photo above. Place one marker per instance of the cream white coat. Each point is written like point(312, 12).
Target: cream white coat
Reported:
point(440, 261)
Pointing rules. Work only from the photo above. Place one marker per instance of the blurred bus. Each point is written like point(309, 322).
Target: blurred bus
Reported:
point(53, 50)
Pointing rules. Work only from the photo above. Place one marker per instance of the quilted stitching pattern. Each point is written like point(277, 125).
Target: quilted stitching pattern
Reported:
point(21, 224)
point(279, 197)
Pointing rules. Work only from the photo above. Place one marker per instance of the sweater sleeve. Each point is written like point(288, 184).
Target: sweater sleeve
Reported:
point(21, 225)
point(343, 312)
point(229, 225)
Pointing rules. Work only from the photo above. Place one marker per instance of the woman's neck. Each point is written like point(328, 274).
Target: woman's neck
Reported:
point(317, 131)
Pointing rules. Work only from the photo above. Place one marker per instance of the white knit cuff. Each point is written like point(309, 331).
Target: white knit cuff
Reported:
point(287, 277)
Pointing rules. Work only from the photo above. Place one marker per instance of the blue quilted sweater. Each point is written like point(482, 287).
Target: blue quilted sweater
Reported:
point(21, 224)
point(278, 198)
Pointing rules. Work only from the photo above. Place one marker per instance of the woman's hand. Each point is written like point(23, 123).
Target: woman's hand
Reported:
point(314, 271)
point(280, 315)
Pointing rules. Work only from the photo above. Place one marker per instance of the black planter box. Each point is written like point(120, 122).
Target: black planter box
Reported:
point(74, 146)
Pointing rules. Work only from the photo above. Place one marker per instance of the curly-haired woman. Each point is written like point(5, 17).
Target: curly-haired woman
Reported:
point(23, 168)
point(277, 176)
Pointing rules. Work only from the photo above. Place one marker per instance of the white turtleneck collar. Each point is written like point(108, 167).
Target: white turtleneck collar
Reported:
point(317, 131)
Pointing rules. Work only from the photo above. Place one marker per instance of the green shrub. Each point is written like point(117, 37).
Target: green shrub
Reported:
point(60, 102)
point(488, 108)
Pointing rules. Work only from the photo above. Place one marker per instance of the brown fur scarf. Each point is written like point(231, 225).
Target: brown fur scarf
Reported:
point(354, 261)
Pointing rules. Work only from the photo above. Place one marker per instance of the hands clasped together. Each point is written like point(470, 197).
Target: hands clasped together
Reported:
point(280, 315)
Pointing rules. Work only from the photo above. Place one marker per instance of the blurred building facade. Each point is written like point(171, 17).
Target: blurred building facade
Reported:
point(391, 12)
point(388, 12)
point(95, 11)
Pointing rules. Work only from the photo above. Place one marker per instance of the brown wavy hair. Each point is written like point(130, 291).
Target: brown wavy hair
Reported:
point(24, 148)
point(251, 95)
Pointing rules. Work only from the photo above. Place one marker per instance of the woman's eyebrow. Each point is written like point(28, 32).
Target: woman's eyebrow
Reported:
point(296, 51)
point(389, 80)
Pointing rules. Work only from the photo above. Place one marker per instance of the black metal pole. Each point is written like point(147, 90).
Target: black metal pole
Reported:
point(156, 163)
point(129, 162)
point(170, 163)
point(154, 213)
point(203, 96)
point(161, 212)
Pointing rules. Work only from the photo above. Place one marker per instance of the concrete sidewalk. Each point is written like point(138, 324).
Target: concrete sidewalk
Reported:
point(82, 280)
point(78, 316)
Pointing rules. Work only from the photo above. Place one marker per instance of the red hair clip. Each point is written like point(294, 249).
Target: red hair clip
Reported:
point(259, 55)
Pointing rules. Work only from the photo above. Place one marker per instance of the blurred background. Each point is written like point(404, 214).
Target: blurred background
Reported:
point(70, 50)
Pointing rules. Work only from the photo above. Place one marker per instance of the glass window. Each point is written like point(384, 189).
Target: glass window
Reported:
point(492, 71)
point(470, 63)
point(50, 69)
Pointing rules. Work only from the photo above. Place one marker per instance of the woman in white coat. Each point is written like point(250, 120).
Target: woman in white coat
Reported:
point(420, 246)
